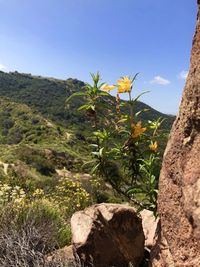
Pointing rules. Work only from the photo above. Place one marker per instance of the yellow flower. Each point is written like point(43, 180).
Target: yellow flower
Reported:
point(154, 146)
point(107, 87)
point(38, 193)
point(137, 129)
point(124, 85)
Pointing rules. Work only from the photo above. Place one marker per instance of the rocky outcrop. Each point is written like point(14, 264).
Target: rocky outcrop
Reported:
point(108, 235)
point(179, 189)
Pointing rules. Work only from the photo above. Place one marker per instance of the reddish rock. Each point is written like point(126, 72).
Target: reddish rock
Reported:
point(179, 196)
point(108, 235)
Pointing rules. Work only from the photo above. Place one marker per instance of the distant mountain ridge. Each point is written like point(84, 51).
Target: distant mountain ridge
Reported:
point(47, 96)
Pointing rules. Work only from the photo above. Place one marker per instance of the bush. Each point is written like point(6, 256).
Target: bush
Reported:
point(42, 165)
point(20, 249)
point(47, 216)
point(29, 232)
point(40, 214)
point(126, 151)
point(37, 160)
point(71, 196)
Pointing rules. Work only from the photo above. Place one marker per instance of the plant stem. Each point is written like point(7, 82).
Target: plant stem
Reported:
point(131, 108)
point(133, 200)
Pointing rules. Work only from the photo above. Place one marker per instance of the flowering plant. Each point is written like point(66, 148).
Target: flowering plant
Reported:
point(13, 194)
point(125, 149)
point(70, 196)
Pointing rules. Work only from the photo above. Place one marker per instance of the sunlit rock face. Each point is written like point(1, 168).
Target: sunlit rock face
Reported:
point(179, 197)
point(108, 235)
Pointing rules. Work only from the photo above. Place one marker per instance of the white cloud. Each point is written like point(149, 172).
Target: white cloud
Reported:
point(183, 75)
point(159, 80)
point(2, 67)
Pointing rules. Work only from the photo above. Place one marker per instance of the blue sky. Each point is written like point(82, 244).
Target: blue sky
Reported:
point(71, 38)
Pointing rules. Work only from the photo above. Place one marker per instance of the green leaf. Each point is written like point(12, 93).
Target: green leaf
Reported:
point(139, 112)
point(104, 94)
point(101, 84)
point(73, 95)
point(95, 168)
point(122, 120)
point(88, 163)
point(84, 107)
point(134, 78)
point(136, 99)
point(92, 107)
point(124, 103)
point(153, 178)
point(135, 191)
point(93, 145)
point(101, 152)
point(124, 131)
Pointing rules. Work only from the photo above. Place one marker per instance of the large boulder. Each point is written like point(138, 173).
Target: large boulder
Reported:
point(108, 235)
point(178, 243)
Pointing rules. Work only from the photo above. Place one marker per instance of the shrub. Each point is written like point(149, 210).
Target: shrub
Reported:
point(30, 231)
point(45, 214)
point(125, 149)
point(23, 249)
point(9, 193)
point(70, 196)
point(37, 160)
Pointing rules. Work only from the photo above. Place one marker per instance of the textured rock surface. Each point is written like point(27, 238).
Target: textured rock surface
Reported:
point(108, 235)
point(64, 255)
point(149, 224)
point(179, 197)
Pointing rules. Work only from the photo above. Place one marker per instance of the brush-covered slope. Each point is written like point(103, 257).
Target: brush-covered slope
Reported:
point(48, 95)
point(35, 145)
point(39, 137)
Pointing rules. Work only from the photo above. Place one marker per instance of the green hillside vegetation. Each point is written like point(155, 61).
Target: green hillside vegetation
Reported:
point(48, 95)
point(45, 146)
point(36, 145)
point(39, 134)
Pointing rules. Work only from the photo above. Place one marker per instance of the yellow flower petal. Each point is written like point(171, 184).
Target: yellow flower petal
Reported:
point(137, 130)
point(124, 85)
point(154, 146)
point(107, 87)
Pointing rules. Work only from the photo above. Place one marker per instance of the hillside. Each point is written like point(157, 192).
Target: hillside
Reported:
point(46, 147)
point(47, 96)
point(38, 134)
point(36, 147)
